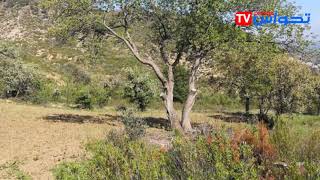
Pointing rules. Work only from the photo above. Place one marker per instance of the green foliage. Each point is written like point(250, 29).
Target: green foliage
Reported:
point(13, 170)
point(210, 99)
point(139, 89)
point(180, 91)
point(299, 150)
point(84, 100)
point(101, 96)
point(77, 74)
point(211, 157)
point(282, 139)
point(84, 96)
point(17, 79)
point(47, 93)
point(288, 83)
point(8, 50)
point(135, 127)
point(118, 157)
point(181, 77)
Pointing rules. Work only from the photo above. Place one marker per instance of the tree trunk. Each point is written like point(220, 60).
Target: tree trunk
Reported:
point(186, 120)
point(171, 112)
point(261, 106)
point(168, 100)
point(247, 104)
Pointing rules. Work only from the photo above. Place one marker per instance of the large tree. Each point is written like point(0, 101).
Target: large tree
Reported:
point(160, 34)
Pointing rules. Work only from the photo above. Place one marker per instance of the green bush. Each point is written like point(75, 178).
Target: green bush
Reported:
point(282, 138)
point(301, 153)
point(119, 157)
point(101, 96)
point(84, 100)
point(85, 96)
point(17, 79)
point(77, 74)
point(139, 89)
point(47, 93)
point(134, 126)
point(212, 157)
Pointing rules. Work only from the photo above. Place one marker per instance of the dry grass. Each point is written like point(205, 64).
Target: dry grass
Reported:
point(38, 144)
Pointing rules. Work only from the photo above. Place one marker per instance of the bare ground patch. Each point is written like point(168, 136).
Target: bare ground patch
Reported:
point(26, 136)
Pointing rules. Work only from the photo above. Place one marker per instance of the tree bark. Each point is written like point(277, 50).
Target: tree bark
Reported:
point(168, 100)
point(171, 112)
point(186, 119)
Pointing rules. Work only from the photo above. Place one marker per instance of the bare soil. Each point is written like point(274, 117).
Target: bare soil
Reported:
point(36, 144)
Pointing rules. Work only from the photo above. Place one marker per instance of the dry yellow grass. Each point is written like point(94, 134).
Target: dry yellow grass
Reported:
point(38, 144)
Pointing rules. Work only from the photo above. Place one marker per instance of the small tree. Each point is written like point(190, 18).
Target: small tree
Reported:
point(288, 83)
point(16, 78)
point(139, 89)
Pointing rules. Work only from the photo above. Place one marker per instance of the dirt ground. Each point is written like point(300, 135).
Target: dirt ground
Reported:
point(35, 144)
point(34, 139)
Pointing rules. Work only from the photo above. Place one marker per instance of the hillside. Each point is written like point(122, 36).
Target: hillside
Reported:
point(26, 29)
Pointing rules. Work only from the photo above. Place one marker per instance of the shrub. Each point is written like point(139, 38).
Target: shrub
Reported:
point(301, 154)
point(211, 157)
point(282, 138)
point(46, 93)
point(139, 89)
point(84, 100)
point(85, 96)
point(101, 96)
point(134, 126)
point(118, 157)
point(77, 74)
point(17, 79)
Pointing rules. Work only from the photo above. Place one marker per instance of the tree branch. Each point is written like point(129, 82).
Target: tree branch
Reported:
point(129, 43)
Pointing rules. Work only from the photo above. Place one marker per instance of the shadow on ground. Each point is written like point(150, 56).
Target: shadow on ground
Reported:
point(237, 117)
point(75, 118)
point(153, 122)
